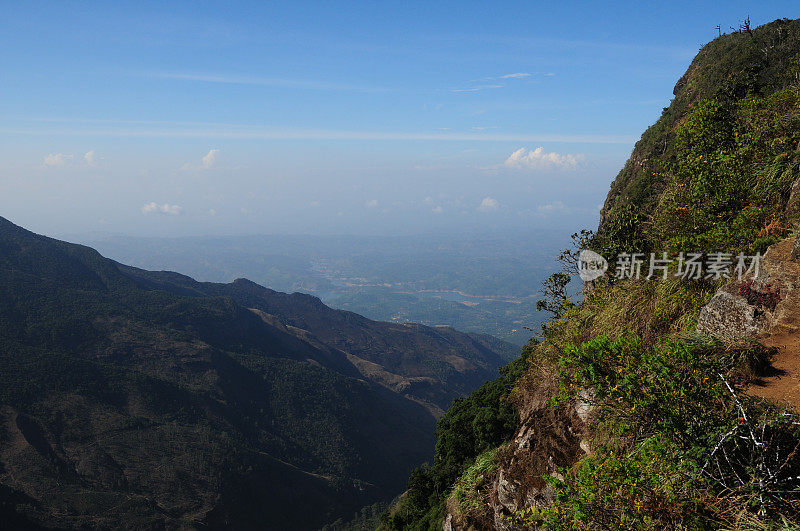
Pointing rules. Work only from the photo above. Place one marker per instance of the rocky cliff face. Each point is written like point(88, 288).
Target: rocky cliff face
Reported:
point(547, 441)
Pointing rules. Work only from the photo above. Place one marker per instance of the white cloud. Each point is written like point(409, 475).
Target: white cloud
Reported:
point(166, 208)
point(209, 159)
point(314, 203)
point(517, 75)
point(489, 204)
point(556, 206)
point(206, 163)
point(478, 88)
point(58, 159)
point(539, 159)
point(212, 212)
point(61, 160)
point(373, 203)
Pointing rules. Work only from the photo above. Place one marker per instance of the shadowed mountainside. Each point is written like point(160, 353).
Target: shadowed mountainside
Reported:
point(149, 400)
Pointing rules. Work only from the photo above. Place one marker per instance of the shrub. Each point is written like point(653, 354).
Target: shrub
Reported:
point(768, 297)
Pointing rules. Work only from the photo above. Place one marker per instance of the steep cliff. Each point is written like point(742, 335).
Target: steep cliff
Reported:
point(648, 405)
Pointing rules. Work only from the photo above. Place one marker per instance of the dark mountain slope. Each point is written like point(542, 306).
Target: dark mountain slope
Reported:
point(148, 400)
point(434, 365)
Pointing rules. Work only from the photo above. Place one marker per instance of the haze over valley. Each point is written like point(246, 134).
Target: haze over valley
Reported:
point(484, 283)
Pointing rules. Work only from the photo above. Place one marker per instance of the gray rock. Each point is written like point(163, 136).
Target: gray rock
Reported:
point(506, 493)
point(584, 404)
point(729, 315)
point(796, 249)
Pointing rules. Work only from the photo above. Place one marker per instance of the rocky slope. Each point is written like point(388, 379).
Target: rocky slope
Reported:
point(430, 365)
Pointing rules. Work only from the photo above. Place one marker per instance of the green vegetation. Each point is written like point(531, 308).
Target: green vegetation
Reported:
point(715, 171)
point(467, 487)
point(471, 427)
point(677, 443)
point(368, 517)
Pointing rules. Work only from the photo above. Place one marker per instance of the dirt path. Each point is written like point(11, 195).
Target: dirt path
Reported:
point(784, 383)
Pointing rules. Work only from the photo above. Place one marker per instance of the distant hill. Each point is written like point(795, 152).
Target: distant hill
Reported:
point(146, 399)
point(482, 283)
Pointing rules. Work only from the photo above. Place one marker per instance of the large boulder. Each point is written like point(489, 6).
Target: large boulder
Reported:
point(729, 315)
point(740, 309)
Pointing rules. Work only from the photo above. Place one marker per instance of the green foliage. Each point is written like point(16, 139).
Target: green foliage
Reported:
point(640, 489)
point(676, 443)
point(669, 388)
point(473, 478)
point(731, 180)
point(623, 232)
point(471, 427)
point(714, 172)
point(368, 517)
point(556, 297)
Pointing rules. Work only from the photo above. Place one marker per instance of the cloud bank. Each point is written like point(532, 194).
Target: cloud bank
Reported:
point(166, 208)
point(58, 159)
point(489, 205)
point(62, 160)
point(539, 159)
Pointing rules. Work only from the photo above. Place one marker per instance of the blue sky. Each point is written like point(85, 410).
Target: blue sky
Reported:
point(323, 117)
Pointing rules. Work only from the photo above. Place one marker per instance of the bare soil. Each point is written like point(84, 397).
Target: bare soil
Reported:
point(783, 381)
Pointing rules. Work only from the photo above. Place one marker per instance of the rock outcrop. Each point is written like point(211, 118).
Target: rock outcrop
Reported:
point(547, 440)
point(730, 315)
point(766, 304)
